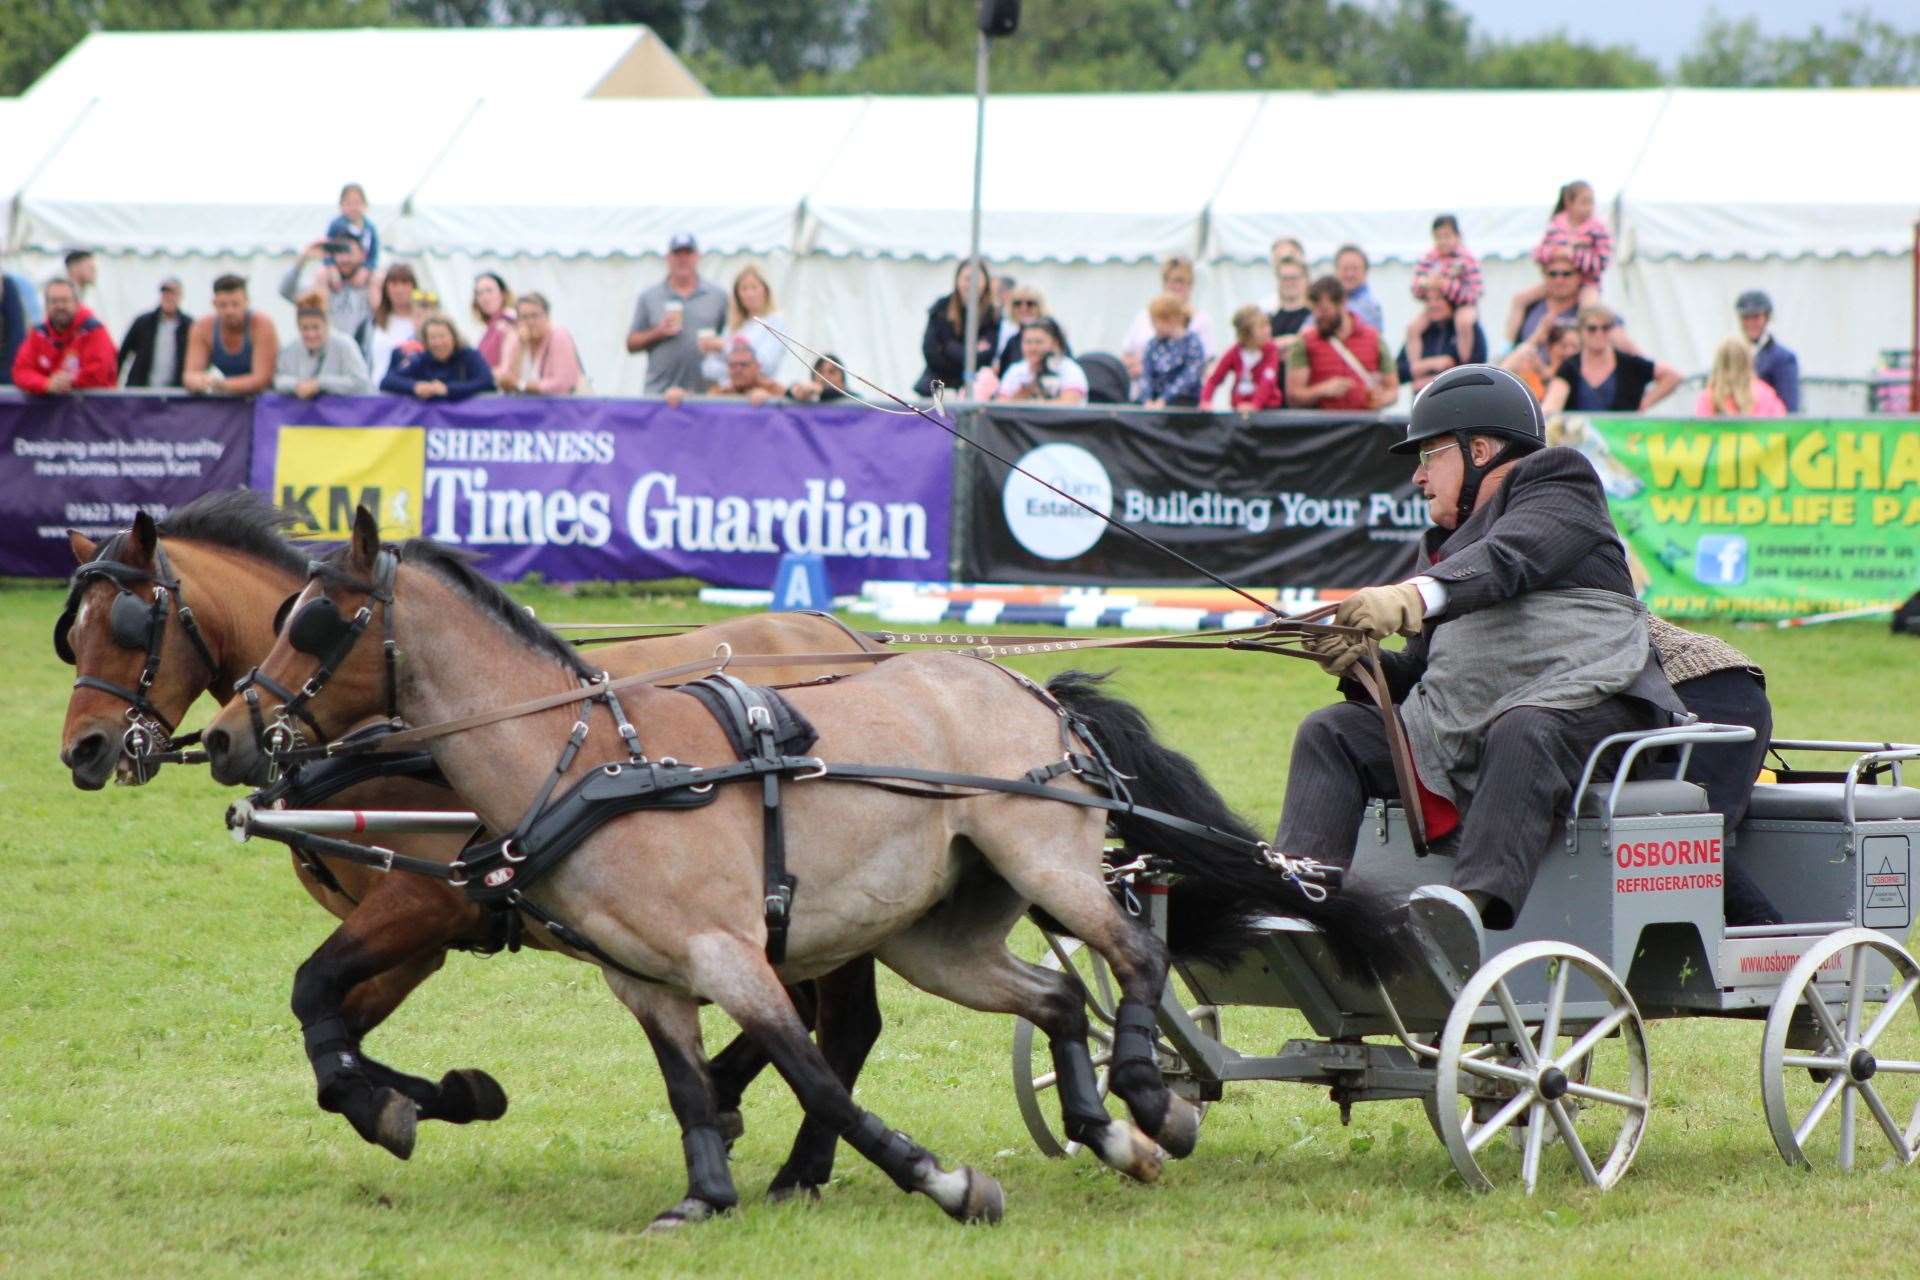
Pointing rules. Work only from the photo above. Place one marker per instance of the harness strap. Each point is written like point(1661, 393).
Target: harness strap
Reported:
point(569, 936)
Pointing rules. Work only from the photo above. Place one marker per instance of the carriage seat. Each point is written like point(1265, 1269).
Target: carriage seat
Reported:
point(1645, 799)
point(1827, 802)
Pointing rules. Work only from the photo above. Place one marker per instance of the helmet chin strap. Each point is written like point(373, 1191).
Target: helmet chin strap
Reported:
point(1472, 473)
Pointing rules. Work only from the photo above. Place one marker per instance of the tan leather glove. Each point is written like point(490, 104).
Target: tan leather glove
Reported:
point(1383, 611)
point(1335, 652)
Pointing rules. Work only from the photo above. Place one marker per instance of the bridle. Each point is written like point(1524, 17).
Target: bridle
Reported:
point(139, 625)
point(319, 631)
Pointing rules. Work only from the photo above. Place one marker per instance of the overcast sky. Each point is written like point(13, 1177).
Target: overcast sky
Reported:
point(1664, 29)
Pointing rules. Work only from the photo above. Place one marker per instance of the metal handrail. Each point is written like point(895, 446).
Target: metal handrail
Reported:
point(1639, 740)
point(1872, 758)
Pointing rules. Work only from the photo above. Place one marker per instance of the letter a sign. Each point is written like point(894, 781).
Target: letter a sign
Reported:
point(801, 583)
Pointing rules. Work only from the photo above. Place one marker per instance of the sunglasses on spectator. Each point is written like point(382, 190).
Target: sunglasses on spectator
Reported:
point(1026, 302)
point(1558, 275)
point(1595, 328)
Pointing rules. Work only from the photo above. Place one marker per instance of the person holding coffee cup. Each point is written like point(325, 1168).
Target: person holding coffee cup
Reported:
point(678, 321)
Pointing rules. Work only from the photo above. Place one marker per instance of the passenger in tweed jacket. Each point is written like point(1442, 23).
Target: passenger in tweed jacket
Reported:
point(1722, 685)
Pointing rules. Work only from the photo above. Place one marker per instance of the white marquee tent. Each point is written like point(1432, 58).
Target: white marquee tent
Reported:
point(857, 207)
point(405, 68)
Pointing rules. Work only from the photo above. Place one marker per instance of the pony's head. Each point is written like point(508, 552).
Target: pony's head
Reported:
point(139, 658)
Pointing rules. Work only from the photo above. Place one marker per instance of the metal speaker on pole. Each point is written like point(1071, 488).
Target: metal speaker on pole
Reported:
point(999, 17)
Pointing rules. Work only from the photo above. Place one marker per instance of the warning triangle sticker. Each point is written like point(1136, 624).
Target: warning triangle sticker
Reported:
point(1887, 887)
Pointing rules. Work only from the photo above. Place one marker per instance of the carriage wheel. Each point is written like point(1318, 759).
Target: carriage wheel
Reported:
point(1583, 1080)
point(1868, 1053)
point(1033, 1077)
point(1476, 1111)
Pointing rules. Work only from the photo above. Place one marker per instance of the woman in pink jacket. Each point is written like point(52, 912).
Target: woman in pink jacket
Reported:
point(540, 358)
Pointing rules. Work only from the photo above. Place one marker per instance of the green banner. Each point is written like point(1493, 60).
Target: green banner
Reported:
point(1762, 518)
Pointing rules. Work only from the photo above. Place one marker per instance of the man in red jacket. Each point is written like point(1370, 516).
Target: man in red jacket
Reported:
point(72, 351)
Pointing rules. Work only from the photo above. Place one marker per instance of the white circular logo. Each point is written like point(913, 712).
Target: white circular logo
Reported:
point(1044, 522)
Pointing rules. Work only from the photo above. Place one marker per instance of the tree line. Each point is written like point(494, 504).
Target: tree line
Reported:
point(926, 46)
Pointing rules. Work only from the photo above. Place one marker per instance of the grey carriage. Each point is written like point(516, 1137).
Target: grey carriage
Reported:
point(1530, 1044)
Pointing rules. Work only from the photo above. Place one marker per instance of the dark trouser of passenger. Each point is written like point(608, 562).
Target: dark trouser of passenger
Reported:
point(1528, 768)
point(1727, 773)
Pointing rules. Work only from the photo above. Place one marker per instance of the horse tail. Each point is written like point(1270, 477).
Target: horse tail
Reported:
point(1220, 890)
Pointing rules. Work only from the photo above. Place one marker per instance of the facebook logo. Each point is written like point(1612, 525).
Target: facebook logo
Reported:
point(1720, 560)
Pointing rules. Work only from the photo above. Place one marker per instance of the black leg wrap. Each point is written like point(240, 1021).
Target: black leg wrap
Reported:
point(1135, 1075)
point(707, 1175)
point(896, 1154)
point(331, 1051)
point(1079, 1090)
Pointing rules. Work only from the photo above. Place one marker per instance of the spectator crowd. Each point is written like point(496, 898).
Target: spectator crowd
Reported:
point(366, 324)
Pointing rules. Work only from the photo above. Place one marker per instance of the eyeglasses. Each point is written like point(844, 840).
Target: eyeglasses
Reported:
point(1026, 302)
point(1428, 455)
point(1558, 275)
point(1595, 328)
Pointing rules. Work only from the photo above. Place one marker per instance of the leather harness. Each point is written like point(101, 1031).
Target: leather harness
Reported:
point(769, 738)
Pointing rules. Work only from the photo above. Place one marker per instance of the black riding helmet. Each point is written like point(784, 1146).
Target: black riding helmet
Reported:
point(1476, 400)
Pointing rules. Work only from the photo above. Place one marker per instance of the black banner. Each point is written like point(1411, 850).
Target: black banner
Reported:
point(1293, 500)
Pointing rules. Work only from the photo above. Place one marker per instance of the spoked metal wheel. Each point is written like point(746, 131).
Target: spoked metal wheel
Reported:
point(1033, 1076)
point(1845, 1029)
point(1573, 1067)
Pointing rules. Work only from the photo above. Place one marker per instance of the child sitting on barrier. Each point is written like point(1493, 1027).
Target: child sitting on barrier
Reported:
point(1175, 359)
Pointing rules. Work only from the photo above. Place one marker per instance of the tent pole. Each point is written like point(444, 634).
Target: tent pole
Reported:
point(973, 248)
point(1913, 350)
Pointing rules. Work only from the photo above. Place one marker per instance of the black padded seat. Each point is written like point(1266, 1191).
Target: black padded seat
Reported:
point(1644, 799)
point(1827, 802)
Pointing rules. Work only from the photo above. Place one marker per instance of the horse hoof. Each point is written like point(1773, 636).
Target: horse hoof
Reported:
point(984, 1201)
point(690, 1210)
point(468, 1094)
point(1122, 1147)
point(731, 1126)
point(1180, 1131)
point(782, 1192)
point(397, 1123)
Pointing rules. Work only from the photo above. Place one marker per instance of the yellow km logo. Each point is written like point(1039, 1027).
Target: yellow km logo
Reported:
point(323, 473)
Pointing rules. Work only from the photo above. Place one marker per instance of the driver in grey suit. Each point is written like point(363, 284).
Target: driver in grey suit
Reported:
point(1526, 647)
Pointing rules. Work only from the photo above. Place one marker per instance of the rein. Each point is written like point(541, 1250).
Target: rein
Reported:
point(1266, 637)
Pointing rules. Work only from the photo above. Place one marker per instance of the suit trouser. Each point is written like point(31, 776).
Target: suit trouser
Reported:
point(1529, 765)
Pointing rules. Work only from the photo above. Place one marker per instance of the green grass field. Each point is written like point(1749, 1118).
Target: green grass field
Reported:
point(157, 1117)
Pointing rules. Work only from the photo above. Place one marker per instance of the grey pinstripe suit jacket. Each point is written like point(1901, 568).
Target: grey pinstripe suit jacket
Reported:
point(1546, 528)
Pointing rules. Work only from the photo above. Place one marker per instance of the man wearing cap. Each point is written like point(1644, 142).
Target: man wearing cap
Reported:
point(1525, 648)
point(1773, 364)
point(155, 348)
point(678, 321)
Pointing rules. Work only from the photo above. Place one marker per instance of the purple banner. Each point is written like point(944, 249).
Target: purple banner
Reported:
point(89, 462)
point(578, 489)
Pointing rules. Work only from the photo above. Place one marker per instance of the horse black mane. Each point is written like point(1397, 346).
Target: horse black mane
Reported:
point(455, 568)
point(237, 518)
